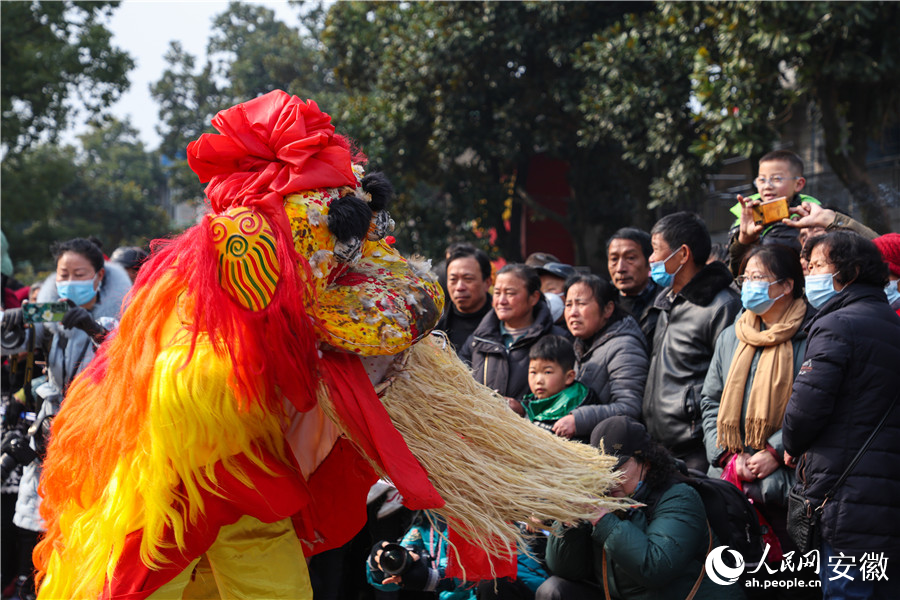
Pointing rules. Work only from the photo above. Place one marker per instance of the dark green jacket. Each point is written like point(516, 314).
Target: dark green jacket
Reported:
point(653, 553)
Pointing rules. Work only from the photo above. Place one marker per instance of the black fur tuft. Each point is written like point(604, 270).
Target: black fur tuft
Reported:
point(378, 185)
point(348, 218)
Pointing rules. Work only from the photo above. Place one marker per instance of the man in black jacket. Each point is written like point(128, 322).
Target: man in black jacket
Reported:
point(696, 304)
point(468, 282)
point(628, 260)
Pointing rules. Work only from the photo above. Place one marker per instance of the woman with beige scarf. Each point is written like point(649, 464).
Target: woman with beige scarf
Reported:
point(749, 381)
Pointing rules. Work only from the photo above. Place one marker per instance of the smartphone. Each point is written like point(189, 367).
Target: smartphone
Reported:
point(44, 312)
point(772, 211)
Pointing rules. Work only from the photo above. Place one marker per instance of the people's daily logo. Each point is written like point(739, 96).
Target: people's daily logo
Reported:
point(718, 571)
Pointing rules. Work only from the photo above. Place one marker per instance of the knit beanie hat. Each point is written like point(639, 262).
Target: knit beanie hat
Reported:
point(889, 245)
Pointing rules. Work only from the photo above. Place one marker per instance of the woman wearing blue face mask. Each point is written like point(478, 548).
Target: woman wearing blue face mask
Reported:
point(749, 380)
point(94, 291)
point(847, 386)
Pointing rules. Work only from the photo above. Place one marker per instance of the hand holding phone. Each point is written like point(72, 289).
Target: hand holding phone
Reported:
point(44, 312)
point(749, 231)
point(771, 211)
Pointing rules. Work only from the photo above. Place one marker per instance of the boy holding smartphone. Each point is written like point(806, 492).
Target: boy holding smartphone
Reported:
point(780, 175)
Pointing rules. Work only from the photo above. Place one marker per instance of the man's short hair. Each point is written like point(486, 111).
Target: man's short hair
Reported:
point(787, 156)
point(554, 348)
point(453, 247)
point(684, 228)
point(639, 236)
point(470, 251)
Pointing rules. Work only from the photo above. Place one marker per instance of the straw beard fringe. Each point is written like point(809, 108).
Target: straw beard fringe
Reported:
point(491, 466)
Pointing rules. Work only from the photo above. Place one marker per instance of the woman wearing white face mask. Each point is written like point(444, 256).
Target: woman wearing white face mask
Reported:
point(749, 380)
point(94, 291)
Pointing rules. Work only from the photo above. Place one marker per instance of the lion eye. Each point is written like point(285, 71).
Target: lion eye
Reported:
point(348, 252)
point(381, 225)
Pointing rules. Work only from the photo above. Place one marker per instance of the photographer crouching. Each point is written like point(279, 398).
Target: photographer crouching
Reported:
point(417, 563)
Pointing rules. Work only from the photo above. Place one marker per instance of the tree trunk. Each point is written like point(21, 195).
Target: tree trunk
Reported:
point(848, 158)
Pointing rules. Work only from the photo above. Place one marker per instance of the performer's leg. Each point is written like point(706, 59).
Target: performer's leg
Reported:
point(252, 559)
point(202, 585)
point(174, 589)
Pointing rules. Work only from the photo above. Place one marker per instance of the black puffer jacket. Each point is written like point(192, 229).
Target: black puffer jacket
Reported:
point(615, 367)
point(502, 369)
point(459, 326)
point(850, 375)
point(683, 347)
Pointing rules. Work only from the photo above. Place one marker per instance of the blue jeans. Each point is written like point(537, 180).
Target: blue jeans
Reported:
point(842, 578)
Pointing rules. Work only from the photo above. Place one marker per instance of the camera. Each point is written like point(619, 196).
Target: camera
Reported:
point(16, 444)
point(16, 451)
point(416, 572)
point(395, 559)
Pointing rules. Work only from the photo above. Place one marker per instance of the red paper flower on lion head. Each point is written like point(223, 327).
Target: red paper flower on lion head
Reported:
point(267, 148)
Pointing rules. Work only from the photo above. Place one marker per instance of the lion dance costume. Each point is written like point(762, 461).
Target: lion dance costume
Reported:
point(272, 362)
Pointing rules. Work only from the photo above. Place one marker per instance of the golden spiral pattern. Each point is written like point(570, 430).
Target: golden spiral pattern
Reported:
point(248, 262)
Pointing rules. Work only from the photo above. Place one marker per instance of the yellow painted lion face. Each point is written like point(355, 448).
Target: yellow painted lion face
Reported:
point(369, 299)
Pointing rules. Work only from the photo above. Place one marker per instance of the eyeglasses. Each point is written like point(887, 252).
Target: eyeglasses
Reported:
point(819, 266)
point(741, 280)
point(775, 180)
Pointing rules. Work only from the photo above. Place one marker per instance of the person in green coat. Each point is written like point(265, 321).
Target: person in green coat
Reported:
point(653, 551)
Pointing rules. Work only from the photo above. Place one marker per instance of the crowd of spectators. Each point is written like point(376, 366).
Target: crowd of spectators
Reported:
point(79, 304)
point(768, 361)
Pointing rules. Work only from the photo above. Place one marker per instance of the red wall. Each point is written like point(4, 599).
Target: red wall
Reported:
point(548, 185)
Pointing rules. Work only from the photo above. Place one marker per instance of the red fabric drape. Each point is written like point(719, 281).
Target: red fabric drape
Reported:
point(476, 561)
point(368, 425)
point(269, 147)
point(339, 488)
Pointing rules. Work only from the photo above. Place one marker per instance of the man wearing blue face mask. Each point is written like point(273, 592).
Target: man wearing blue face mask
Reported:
point(695, 306)
point(847, 386)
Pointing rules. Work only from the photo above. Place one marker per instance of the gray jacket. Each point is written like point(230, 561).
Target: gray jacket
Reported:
point(505, 369)
point(615, 367)
point(683, 347)
point(68, 352)
point(775, 487)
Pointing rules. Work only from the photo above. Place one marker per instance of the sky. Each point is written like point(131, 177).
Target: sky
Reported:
point(144, 29)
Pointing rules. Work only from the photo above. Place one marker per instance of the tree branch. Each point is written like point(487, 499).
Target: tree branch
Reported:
point(539, 208)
